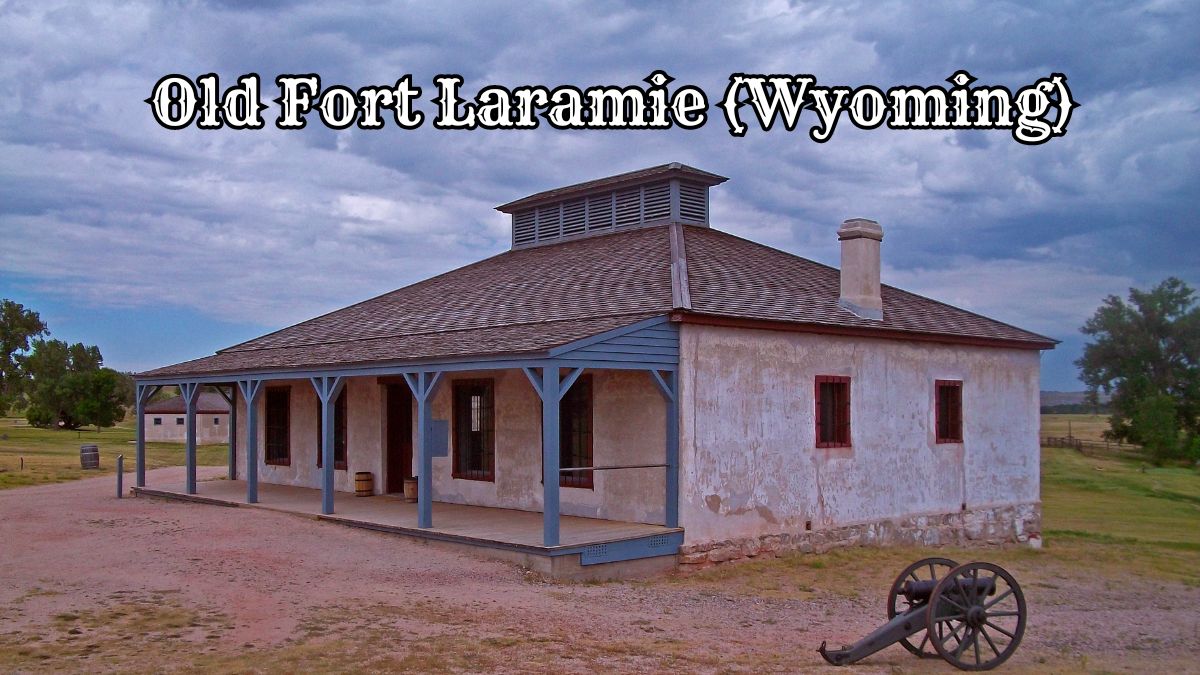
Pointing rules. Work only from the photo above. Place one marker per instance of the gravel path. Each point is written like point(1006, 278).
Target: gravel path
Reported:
point(207, 587)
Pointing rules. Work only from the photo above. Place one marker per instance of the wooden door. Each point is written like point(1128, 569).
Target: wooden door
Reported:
point(399, 436)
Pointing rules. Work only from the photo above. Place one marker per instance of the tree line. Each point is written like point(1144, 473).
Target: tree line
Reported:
point(56, 384)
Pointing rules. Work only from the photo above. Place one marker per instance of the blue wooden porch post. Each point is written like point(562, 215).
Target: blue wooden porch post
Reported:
point(142, 397)
point(668, 384)
point(251, 391)
point(328, 389)
point(550, 455)
point(423, 385)
point(190, 391)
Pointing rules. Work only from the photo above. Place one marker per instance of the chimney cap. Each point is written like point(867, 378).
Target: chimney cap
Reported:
point(860, 228)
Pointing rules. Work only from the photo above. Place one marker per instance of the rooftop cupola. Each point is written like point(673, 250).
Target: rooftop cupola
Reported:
point(659, 195)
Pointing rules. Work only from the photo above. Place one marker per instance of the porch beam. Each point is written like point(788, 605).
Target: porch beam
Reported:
point(328, 390)
point(143, 394)
point(668, 384)
point(550, 455)
point(190, 391)
point(251, 393)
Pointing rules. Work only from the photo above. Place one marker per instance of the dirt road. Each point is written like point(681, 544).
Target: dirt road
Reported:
point(89, 582)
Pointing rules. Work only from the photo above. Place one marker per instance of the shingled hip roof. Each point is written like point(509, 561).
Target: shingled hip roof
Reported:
point(526, 302)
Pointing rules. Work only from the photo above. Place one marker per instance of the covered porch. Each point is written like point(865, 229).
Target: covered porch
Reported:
point(645, 353)
point(507, 534)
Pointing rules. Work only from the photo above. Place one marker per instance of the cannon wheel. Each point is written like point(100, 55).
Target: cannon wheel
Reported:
point(928, 569)
point(974, 624)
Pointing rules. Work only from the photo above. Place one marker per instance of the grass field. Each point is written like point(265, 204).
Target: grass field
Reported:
point(1084, 427)
point(52, 455)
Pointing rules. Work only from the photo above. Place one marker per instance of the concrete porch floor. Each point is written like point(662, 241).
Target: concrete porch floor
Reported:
point(589, 547)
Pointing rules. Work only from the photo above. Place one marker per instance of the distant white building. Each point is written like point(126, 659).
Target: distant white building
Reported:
point(166, 420)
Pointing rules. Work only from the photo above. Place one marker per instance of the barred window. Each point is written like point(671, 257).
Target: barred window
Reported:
point(278, 423)
point(474, 430)
point(575, 433)
point(833, 411)
point(949, 410)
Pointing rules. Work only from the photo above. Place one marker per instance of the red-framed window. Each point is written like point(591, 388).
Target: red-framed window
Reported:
point(474, 419)
point(278, 425)
point(833, 411)
point(339, 433)
point(948, 416)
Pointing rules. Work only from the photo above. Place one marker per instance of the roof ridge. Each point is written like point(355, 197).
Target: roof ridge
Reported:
point(681, 295)
point(436, 332)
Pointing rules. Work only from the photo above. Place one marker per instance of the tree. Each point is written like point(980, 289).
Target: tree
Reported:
point(17, 327)
point(68, 384)
point(1146, 354)
point(97, 397)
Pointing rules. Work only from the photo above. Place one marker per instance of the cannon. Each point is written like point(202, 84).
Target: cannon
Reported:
point(972, 615)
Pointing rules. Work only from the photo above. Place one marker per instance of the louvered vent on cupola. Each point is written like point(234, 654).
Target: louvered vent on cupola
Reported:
point(670, 193)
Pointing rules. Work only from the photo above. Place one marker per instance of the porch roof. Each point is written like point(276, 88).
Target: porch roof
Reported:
point(528, 301)
point(527, 340)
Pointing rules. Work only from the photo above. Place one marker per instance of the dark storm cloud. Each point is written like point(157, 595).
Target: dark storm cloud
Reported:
point(97, 202)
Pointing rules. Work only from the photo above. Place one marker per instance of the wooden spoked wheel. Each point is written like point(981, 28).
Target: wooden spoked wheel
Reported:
point(976, 616)
point(926, 570)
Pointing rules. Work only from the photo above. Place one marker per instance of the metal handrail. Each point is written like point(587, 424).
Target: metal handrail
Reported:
point(615, 466)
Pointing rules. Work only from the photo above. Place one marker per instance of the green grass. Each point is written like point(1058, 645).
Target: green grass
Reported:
point(1114, 500)
point(52, 455)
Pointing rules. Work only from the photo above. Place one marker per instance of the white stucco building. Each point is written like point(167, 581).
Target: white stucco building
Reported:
point(740, 398)
point(166, 420)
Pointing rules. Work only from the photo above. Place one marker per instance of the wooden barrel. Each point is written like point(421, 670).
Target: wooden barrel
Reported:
point(89, 456)
point(364, 484)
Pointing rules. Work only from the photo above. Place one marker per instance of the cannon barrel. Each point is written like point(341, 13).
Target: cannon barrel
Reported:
point(919, 591)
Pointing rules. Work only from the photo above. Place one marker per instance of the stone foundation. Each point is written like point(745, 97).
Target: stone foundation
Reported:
point(996, 525)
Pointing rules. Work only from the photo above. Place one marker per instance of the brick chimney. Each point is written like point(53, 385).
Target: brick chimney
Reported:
point(860, 267)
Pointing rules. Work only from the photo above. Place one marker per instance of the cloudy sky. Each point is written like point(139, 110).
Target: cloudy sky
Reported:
point(166, 245)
